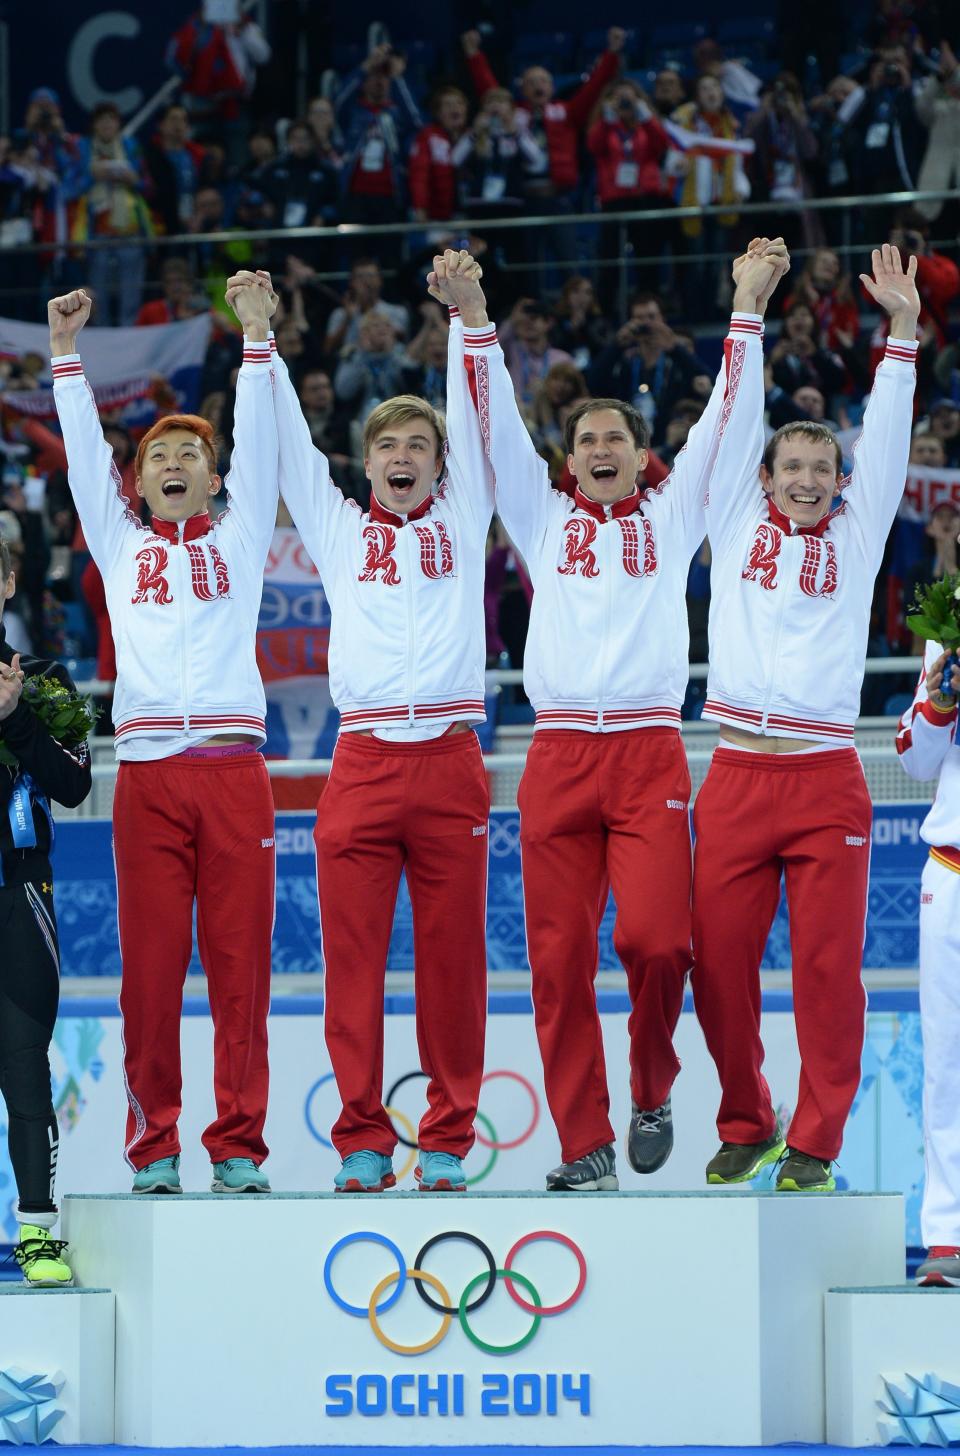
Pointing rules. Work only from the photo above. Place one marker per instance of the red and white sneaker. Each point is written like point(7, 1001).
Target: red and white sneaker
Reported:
point(940, 1267)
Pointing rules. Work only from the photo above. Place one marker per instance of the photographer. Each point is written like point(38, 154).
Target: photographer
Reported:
point(498, 162)
point(938, 106)
point(34, 768)
point(886, 135)
point(378, 116)
point(785, 146)
point(647, 366)
point(628, 145)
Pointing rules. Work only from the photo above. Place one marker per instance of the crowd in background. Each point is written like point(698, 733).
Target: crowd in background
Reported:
point(626, 123)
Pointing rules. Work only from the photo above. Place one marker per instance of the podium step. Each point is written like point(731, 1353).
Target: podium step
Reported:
point(56, 1365)
point(893, 1366)
point(499, 1319)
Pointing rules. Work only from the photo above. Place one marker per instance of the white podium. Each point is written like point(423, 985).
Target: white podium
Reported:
point(56, 1365)
point(626, 1319)
point(893, 1366)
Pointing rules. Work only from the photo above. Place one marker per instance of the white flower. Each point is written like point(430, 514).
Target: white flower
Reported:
point(956, 595)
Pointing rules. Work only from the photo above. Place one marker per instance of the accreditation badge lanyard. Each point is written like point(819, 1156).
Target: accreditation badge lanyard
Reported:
point(26, 792)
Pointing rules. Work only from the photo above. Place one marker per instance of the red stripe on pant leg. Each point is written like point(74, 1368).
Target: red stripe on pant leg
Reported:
point(236, 881)
point(645, 803)
point(153, 830)
point(827, 872)
point(359, 861)
point(736, 890)
point(562, 845)
point(447, 801)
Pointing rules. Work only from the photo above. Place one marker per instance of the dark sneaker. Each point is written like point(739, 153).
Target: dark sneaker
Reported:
point(739, 1162)
point(800, 1173)
point(940, 1267)
point(594, 1173)
point(649, 1137)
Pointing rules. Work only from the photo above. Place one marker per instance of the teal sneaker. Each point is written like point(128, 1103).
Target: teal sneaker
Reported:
point(163, 1176)
point(365, 1172)
point(439, 1173)
point(239, 1175)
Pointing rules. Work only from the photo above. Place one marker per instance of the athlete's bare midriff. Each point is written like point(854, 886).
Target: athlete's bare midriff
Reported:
point(760, 743)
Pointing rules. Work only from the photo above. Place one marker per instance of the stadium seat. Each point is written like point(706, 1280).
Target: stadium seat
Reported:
point(746, 28)
point(552, 47)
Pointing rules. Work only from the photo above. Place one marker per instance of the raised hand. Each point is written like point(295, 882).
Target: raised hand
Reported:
point(616, 38)
point(66, 316)
point(11, 686)
point(757, 272)
point(895, 290)
point(455, 281)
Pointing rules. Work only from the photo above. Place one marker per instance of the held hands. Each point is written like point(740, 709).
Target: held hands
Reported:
point(895, 290)
point(253, 300)
point(455, 281)
point(66, 316)
point(11, 686)
point(940, 693)
point(757, 272)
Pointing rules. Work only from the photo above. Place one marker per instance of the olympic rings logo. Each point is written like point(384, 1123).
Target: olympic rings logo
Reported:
point(481, 1286)
point(487, 1135)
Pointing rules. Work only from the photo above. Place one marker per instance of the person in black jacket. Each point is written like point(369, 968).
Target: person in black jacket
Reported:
point(30, 962)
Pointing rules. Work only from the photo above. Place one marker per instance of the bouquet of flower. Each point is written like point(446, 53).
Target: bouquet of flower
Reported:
point(936, 614)
point(67, 715)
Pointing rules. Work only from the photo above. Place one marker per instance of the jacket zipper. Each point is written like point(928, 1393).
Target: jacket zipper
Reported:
point(184, 636)
point(787, 585)
point(605, 537)
point(408, 535)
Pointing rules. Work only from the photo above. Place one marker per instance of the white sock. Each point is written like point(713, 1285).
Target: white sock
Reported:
point(46, 1221)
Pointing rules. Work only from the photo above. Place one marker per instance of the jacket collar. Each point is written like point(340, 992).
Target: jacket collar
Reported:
point(778, 518)
point(195, 526)
point(624, 507)
point(387, 518)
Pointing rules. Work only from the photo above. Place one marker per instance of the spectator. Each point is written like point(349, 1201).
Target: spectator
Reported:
point(498, 161)
point(180, 299)
point(827, 291)
point(107, 184)
point(886, 136)
point(426, 358)
point(300, 187)
point(261, 151)
point(507, 595)
point(52, 147)
point(937, 547)
point(374, 370)
point(683, 417)
point(326, 134)
point(562, 388)
point(581, 329)
point(741, 88)
point(646, 366)
point(173, 163)
point(27, 190)
point(218, 65)
point(945, 426)
point(433, 183)
point(785, 145)
point(706, 179)
point(555, 125)
point(669, 91)
point(833, 167)
point(363, 296)
point(798, 358)
point(378, 115)
point(938, 107)
point(938, 277)
point(328, 422)
point(525, 339)
point(628, 145)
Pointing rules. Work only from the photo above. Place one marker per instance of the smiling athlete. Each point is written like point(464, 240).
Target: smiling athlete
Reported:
point(407, 792)
point(792, 583)
point(193, 812)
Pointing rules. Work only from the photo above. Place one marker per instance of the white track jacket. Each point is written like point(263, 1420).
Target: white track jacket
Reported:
point(183, 598)
point(790, 608)
point(407, 639)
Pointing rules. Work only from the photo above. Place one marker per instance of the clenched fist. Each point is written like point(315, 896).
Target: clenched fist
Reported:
point(11, 686)
point(66, 316)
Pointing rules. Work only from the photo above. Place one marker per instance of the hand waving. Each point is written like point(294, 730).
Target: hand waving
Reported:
point(894, 288)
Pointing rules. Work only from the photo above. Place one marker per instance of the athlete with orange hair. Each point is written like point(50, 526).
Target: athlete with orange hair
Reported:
point(193, 814)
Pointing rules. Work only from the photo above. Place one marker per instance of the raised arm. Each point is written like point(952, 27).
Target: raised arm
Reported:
point(733, 482)
point(928, 727)
point(94, 479)
point(482, 385)
point(252, 481)
point(314, 502)
point(882, 451)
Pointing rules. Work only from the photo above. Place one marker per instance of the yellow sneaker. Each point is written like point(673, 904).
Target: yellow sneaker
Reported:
point(40, 1258)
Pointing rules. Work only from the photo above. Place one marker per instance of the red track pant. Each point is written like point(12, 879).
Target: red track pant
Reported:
point(602, 810)
point(188, 830)
point(759, 816)
point(419, 808)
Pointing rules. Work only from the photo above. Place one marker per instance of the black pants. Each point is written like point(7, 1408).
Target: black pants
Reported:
point(29, 996)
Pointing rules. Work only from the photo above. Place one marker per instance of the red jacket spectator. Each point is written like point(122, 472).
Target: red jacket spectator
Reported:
point(628, 158)
point(938, 281)
point(217, 63)
point(561, 121)
point(431, 174)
